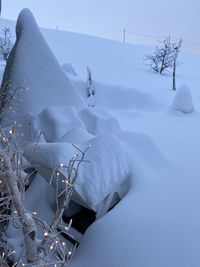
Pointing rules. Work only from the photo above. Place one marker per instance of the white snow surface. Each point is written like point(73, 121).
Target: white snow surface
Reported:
point(68, 68)
point(183, 100)
point(33, 66)
point(54, 122)
point(157, 224)
point(98, 121)
point(107, 168)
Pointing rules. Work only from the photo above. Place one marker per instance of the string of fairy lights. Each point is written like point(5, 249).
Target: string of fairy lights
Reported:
point(52, 249)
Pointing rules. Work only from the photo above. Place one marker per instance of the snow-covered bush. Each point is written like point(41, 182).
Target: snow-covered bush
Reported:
point(183, 100)
point(90, 88)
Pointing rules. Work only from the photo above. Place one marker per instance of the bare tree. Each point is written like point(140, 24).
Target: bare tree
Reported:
point(165, 57)
point(159, 60)
point(6, 43)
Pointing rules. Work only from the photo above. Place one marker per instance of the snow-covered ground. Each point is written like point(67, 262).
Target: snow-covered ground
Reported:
point(157, 224)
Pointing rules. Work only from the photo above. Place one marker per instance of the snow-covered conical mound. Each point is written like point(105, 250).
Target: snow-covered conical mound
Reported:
point(32, 65)
point(183, 100)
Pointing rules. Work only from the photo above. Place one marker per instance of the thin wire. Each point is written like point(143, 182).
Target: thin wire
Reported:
point(162, 36)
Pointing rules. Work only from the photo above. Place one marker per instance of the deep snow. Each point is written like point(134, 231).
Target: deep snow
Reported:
point(158, 222)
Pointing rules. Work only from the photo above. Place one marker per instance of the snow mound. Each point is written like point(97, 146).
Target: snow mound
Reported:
point(142, 150)
point(97, 179)
point(41, 198)
point(55, 122)
point(183, 100)
point(98, 121)
point(121, 97)
point(68, 68)
point(32, 65)
point(76, 135)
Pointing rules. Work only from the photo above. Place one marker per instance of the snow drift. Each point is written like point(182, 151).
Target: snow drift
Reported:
point(183, 100)
point(54, 122)
point(33, 68)
point(99, 181)
point(98, 121)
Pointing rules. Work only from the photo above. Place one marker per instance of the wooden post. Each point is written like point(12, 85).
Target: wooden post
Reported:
point(124, 35)
point(174, 76)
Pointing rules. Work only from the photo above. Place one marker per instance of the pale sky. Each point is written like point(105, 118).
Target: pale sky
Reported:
point(107, 18)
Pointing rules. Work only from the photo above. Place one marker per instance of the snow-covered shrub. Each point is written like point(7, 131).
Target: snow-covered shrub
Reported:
point(90, 88)
point(183, 100)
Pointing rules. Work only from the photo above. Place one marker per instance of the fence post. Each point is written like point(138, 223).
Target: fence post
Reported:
point(124, 35)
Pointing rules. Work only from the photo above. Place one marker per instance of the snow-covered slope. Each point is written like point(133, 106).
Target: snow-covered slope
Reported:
point(158, 223)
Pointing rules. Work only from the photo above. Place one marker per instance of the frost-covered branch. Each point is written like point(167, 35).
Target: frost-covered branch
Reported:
point(6, 42)
point(164, 57)
point(51, 249)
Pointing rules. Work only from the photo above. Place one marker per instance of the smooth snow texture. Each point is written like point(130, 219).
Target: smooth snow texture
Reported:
point(98, 121)
point(183, 100)
point(46, 195)
point(76, 135)
point(68, 68)
point(142, 150)
point(119, 97)
point(32, 65)
point(55, 122)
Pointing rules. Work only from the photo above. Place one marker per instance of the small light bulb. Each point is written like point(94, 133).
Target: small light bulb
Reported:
point(69, 253)
point(46, 233)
